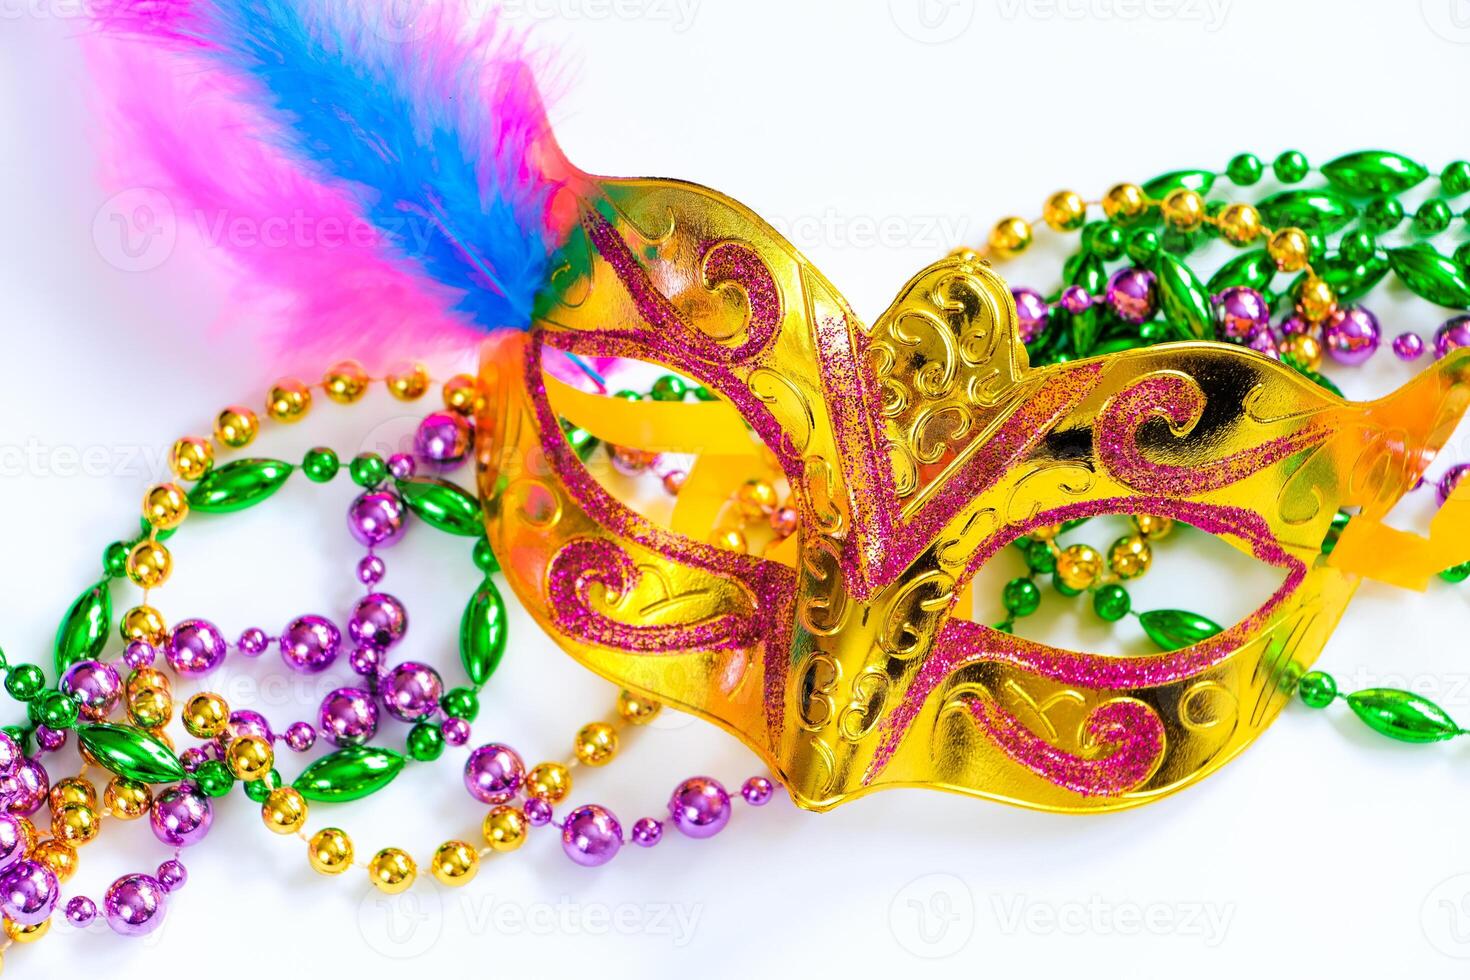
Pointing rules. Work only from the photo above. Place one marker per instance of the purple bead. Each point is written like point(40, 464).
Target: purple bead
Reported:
point(12, 840)
point(1453, 334)
point(757, 791)
point(1296, 324)
point(50, 739)
point(139, 654)
point(1075, 299)
point(1450, 481)
point(94, 686)
point(411, 691)
point(27, 787)
point(134, 904)
point(192, 758)
point(253, 642)
point(402, 466)
point(310, 644)
point(80, 911)
point(29, 892)
point(1408, 346)
point(300, 736)
point(1240, 312)
point(591, 835)
point(172, 875)
point(376, 519)
point(370, 570)
point(537, 811)
point(348, 716)
point(10, 755)
point(1351, 335)
point(700, 807)
point(493, 773)
point(247, 722)
point(196, 646)
point(443, 438)
point(1263, 341)
point(456, 731)
point(1131, 294)
point(180, 816)
point(378, 621)
point(647, 832)
point(1032, 313)
point(366, 661)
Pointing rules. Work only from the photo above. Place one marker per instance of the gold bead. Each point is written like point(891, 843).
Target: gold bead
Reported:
point(550, 781)
point(345, 382)
point(147, 679)
point(127, 799)
point(149, 564)
point(1303, 348)
point(731, 539)
point(284, 811)
point(1078, 566)
point(165, 506)
point(505, 828)
point(755, 498)
point(28, 835)
point(1315, 300)
point(73, 789)
point(288, 401)
point(236, 427)
point(1289, 248)
point(249, 757)
point(462, 394)
point(191, 458)
point(1240, 224)
point(75, 823)
point(1010, 237)
point(596, 744)
point(1047, 532)
point(635, 709)
point(392, 870)
point(18, 933)
point(1064, 211)
point(150, 708)
point(1184, 209)
point(454, 863)
point(1130, 556)
point(59, 856)
point(205, 715)
point(145, 624)
point(1124, 201)
point(1153, 526)
point(330, 851)
point(408, 385)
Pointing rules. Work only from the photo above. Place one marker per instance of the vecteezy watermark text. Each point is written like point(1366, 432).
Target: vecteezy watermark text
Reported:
point(678, 14)
point(1210, 13)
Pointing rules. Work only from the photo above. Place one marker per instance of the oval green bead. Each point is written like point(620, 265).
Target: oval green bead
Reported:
point(349, 774)
point(442, 505)
point(1254, 269)
point(238, 485)
point(1163, 185)
point(83, 630)
point(1431, 276)
point(1086, 270)
point(1183, 299)
point(1174, 629)
point(482, 633)
point(584, 443)
point(1083, 328)
point(1320, 210)
point(1352, 280)
point(1456, 574)
point(1373, 173)
point(131, 753)
point(1402, 715)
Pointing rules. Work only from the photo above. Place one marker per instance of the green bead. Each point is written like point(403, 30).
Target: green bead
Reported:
point(1063, 588)
point(1383, 215)
point(668, 388)
point(1402, 715)
point(238, 485)
point(368, 470)
point(425, 742)
point(349, 774)
point(1103, 239)
point(484, 557)
point(1433, 217)
point(1086, 270)
point(214, 778)
point(703, 394)
point(583, 443)
point(1254, 269)
point(483, 632)
point(1111, 602)
point(1174, 629)
point(445, 506)
point(1320, 209)
point(1199, 181)
point(55, 710)
point(461, 702)
point(1143, 245)
point(257, 790)
point(320, 465)
point(1339, 522)
point(1177, 242)
point(1462, 255)
point(1431, 276)
point(25, 681)
point(131, 753)
point(1244, 169)
point(21, 735)
point(83, 630)
point(1021, 597)
point(1454, 180)
point(1456, 573)
point(1317, 689)
point(628, 395)
point(1183, 300)
point(1357, 246)
point(1039, 558)
point(115, 559)
point(1290, 167)
point(1374, 173)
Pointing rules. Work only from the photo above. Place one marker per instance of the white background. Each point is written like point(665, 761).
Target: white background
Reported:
point(1323, 847)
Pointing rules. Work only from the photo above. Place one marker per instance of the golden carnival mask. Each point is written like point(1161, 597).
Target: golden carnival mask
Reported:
point(916, 449)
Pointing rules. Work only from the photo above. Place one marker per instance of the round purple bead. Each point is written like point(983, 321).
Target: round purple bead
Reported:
point(1032, 313)
point(456, 731)
point(443, 438)
point(253, 642)
point(1408, 346)
point(139, 654)
point(402, 466)
point(1075, 299)
point(29, 892)
point(1263, 341)
point(378, 621)
point(10, 755)
point(493, 773)
point(370, 570)
point(1453, 334)
point(196, 646)
point(647, 832)
point(27, 787)
point(537, 811)
point(700, 807)
point(1351, 335)
point(1240, 312)
point(310, 644)
point(367, 661)
point(1131, 294)
point(1296, 324)
point(376, 518)
point(192, 758)
point(180, 816)
point(757, 791)
point(411, 691)
point(348, 716)
point(172, 875)
point(247, 722)
point(300, 736)
point(12, 840)
point(591, 835)
point(1450, 481)
point(80, 911)
point(135, 904)
point(94, 686)
point(50, 739)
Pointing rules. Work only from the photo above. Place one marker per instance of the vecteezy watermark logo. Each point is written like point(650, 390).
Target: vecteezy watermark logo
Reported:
point(933, 916)
point(1450, 19)
point(1210, 13)
point(1445, 917)
point(678, 14)
point(402, 926)
point(932, 21)
point(405, 21)
point(675, 921)
point(1205, 921)
point(135, 230)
